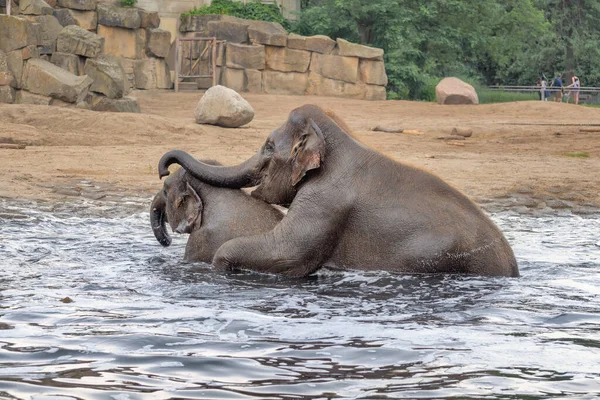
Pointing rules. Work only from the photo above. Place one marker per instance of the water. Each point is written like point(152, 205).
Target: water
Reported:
point(144, 325)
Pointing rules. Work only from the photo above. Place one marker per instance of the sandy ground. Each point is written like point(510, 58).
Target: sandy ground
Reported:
point(517, 149)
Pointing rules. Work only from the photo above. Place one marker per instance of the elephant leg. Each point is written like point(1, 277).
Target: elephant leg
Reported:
point(298, 246)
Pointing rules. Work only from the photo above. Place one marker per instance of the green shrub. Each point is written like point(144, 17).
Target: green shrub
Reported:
point(128, 3)
point(254, 11)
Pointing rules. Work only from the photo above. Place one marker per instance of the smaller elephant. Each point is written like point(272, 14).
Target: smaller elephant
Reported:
point(210, 215)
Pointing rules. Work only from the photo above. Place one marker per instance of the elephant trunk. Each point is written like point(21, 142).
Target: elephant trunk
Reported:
point(158, 220)
point(245, 174)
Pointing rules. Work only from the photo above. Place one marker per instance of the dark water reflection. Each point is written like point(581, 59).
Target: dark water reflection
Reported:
point(142, 324)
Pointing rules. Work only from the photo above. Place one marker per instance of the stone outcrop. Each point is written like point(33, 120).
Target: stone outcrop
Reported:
point(293, 83)
point(109, 15)
point(122, 42)
point(455, 91)
point(76, 40)
point(34, 7)
point(45, 78)
point(7, 94)
point(318, 43)
point(269, 33)
point(158, 43)
point(69, 62)
point(245, 56)
point(78, 4)
point(230, 31)
point(149, 19)
point(287, 60)
point(25, 97)
point(373, 72)
point(224, 107)
point(335, 67)
point(108, 75)
point(348, 49)
point(49, 31)
point(152, 73)
point(85, 19)
point(16, 33)
point(102, 103)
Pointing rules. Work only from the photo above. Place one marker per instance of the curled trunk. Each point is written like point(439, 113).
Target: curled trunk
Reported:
point(158, 219)
point(243, 175)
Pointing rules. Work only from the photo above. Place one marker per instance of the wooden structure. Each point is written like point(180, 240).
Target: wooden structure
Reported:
point(188, 66)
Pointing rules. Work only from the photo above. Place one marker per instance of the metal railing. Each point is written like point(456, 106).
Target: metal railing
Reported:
point(587, 94)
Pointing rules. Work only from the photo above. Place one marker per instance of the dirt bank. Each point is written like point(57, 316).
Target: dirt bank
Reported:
point(517, 148)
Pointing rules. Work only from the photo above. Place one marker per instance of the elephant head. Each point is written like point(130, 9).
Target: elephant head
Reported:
point(278, 168)
point(179, 204)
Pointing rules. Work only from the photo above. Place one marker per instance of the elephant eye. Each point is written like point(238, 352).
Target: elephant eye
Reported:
point(269, 148)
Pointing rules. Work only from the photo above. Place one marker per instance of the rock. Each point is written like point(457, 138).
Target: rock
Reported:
point(158, 43)
point(253, 81)
point(78, 4)
point(108, 75)
point(322, 86)
point(375, 93)
point(30, 52)
point(199, 23)
point(223, 107)
point(373, 72)
point(455, 91)
point(152, 73)
point(347, 49)
point(76, 40)
point(7, 79)
point(231, 31)
point(25, 97)
point(234, 79)
point(45, 78)
point(69, 62)
point(464, 132)
point(290, 83)
point(270, 33)
point(124, 17)
point(16, 33)
point(335, 67)
point(34, 7)
point(15, 60)
point(388, 129)
point(122, 42)
point(85, 19)
point(318, 43)
point(149, 19)
point(245, 56)
point(129, 67)
point(102, 103)
point(7, 94)
point(51, 3)
point(50, 28)
point(3, 62)
point(287, 60)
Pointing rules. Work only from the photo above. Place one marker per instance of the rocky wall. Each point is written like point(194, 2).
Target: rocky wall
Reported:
point(261, 57)
point(84, 53)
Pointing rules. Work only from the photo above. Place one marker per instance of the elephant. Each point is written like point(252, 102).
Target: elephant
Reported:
point(210, 215)
point(350, 207)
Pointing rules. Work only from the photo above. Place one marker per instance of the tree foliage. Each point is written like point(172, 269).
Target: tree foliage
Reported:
point(483, 41)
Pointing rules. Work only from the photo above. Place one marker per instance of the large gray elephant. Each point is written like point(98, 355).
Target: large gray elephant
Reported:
point(351, 207)
point(211, 215)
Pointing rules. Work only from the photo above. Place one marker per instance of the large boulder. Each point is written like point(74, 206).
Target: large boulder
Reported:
point(230, 31)
point(16, 33)
point(245, 56)
point(69, 62)
point(86, 5)
point(268, 33)
point(335, 67)
point(290, 83)
point(76, 40)
point(373, 72)
point(318, 43)
point(287, 60)
point(224, 107)
point(158, 43)
point(7, 94)
point(108, 75)
point(122, 42)
point(34, 7)
point(152, 73)
point(50, 28)
point(25, 97)
point(45, 78)
point(348, 49)
point(85, 19)
point(455, 91)
point(124, 17)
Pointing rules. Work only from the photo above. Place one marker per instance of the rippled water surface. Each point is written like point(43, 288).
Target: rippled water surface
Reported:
point(142, 324)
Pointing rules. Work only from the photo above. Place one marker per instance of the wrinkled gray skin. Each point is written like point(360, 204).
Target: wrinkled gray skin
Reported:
point(351, 208)
point(210, 215)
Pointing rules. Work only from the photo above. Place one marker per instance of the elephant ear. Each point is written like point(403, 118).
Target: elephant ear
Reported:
point(193, 210)
point(307, 152)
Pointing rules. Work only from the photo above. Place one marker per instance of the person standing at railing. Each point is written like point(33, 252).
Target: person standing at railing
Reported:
point(576, 85)
point(557, 84)
point(543, 85)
